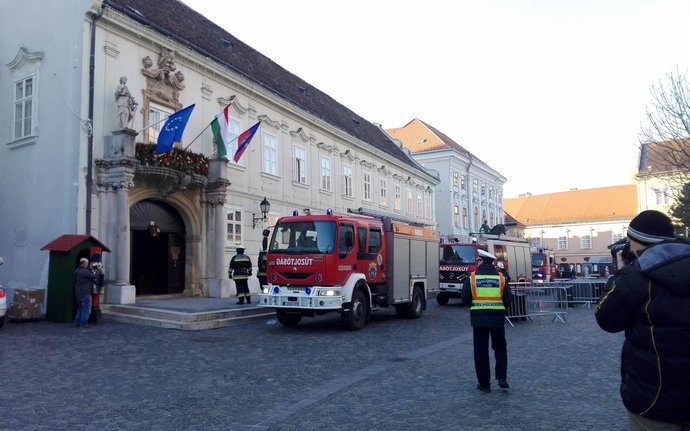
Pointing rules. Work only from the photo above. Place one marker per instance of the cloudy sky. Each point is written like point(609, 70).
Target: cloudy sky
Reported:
point(550, 93)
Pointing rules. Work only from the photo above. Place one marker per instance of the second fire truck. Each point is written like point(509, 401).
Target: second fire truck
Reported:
point(457, 260)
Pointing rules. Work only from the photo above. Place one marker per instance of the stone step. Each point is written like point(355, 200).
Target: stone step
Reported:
point(183, 320)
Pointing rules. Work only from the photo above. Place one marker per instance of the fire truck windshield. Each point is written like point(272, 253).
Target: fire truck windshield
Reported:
point(538, 259)
point(303, 237)
point(459, 254)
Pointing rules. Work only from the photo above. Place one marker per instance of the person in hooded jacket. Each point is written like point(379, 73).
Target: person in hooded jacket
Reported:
point(649, 299)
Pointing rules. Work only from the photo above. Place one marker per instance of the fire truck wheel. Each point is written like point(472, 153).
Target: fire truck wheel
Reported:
point(442, 299)
point(417, 305)
point(288, 319)
point(355, 318)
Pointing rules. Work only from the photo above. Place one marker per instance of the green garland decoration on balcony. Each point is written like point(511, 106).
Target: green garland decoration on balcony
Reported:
point(178, 159)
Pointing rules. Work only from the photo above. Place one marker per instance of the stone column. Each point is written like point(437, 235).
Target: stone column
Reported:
point(219, 283)
point(116, 172)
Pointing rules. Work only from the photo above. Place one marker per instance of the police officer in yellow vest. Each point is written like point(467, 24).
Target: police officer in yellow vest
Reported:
point(239, 270)
point(488, 295)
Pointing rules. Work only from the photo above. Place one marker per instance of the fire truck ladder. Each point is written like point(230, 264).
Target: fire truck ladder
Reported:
point(379, 214)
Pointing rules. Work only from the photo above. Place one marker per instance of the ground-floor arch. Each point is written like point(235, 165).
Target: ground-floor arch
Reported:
point(158, 239)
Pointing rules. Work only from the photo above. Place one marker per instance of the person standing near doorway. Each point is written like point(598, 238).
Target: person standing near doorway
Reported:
point(488, 295)
point(84, 280)
point(239, 270)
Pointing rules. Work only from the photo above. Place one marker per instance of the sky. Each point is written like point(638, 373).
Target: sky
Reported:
point(549, 93)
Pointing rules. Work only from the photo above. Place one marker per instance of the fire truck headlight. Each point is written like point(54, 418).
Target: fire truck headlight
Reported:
point(330, 292)
point(265, 289)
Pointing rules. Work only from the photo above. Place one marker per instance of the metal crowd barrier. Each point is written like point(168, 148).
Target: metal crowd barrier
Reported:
point(585, 291)
point(532, 300)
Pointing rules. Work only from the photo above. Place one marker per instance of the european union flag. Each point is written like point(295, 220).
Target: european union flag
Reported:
point(173, 129)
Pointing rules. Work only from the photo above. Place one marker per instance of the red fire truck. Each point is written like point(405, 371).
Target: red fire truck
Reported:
point(543, 265)
point(353, 264)
point(458, 260)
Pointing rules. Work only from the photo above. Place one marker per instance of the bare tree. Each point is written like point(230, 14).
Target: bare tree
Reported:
point(665, 139)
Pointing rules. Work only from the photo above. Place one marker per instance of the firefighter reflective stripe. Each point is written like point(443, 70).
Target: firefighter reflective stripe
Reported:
point(240, 266)
point(487, 291)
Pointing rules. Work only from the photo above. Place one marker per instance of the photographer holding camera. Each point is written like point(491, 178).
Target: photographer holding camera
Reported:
point(649, 299)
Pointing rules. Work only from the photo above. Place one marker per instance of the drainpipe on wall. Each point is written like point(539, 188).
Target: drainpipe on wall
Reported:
point(89, 167)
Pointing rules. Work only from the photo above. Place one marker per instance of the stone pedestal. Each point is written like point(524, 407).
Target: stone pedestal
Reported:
point(120, 145)
point(220, 288)
point(120, 294)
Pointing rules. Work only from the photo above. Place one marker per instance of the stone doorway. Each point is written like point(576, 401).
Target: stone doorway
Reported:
point(158, 249)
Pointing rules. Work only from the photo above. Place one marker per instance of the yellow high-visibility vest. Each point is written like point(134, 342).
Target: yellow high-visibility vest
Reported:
point(487, 291)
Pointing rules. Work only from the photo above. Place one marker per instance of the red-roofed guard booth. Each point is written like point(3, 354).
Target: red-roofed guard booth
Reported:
point(65, 253)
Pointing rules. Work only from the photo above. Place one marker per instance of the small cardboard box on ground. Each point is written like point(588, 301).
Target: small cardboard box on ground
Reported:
point(26, 304)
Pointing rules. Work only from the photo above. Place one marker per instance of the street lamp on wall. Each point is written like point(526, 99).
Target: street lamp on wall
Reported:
point(265, 207)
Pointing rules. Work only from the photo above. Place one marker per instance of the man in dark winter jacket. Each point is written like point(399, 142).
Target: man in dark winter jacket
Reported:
point(649, 299)
point(488, 295)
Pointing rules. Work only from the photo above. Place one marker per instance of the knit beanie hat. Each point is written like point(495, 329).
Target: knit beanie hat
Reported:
point(650, 227)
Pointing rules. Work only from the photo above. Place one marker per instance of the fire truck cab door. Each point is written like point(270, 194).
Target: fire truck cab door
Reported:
point(370, 253)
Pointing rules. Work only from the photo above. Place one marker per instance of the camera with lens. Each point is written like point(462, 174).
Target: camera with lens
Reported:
point(627, 256)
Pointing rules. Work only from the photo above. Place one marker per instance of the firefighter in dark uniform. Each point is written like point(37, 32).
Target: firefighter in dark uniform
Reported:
point(261, 265)
point(239, 270)
point(488, 295)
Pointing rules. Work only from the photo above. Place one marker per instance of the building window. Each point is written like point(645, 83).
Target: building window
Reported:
point(270, 155)
point(233, 220)
point(658, 196)
point(347, 181)
point(233, 133)
point(465, 220)
point(562, 242)
point(429, 201)
point(463, 182)
point(300, 165)
point(398, 197)
point(157, 117)
point(586, 241)
point(383, 197)
point(366, 186)
point(535, 242)
point(475, 217)
point(617, 237)
point(456, 181)
point(410, 207)
point(325, 173)
point(491, 219)
point(420, 204)
point(475, 185)
point(24, 107)
point(456, 216)
point(668, 196)
point(483, 189)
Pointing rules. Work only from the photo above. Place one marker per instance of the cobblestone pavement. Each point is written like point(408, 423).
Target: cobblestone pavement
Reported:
point(392, 375)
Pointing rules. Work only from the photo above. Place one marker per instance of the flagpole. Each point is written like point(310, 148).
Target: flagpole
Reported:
point(197, 136)
point(209, 124)
point(151, 125)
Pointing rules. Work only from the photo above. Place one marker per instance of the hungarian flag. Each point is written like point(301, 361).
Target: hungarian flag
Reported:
point(244, 139)
point(219, 127)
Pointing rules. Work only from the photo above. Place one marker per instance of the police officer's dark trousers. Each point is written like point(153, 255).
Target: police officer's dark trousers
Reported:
point(481, 354)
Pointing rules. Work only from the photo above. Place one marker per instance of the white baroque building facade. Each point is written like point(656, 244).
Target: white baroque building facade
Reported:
point(68, 167)
point(470, 191)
